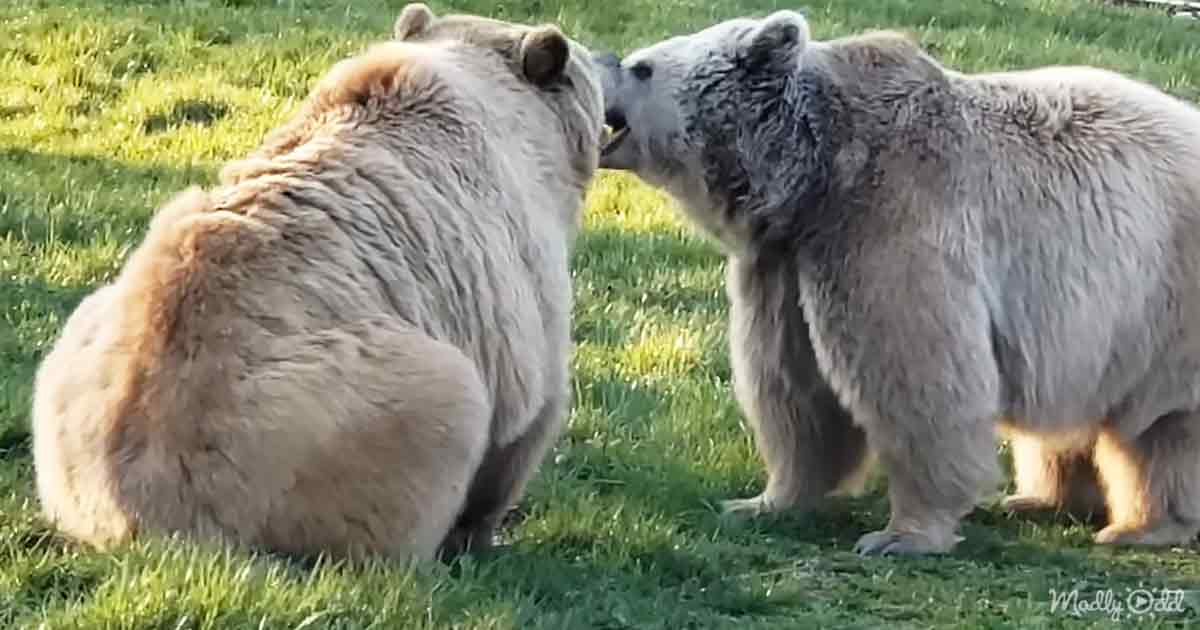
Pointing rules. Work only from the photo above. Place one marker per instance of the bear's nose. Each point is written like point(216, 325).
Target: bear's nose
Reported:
point(615, 118)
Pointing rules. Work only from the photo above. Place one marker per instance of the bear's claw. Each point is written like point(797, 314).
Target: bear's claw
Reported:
point(888, 542)
point(745, 508)
point(1026, 504)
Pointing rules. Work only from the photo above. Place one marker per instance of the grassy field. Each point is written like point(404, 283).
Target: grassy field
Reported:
point(107, 108)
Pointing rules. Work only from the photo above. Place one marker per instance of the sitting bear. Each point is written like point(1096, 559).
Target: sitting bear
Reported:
point(358, 344)
point(920, 258)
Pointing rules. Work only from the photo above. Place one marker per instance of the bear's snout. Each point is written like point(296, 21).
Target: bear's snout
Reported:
point(609, 66)
point(615, 117)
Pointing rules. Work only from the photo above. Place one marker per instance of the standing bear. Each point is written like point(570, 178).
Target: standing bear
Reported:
point(359, 342)
point(919, 258)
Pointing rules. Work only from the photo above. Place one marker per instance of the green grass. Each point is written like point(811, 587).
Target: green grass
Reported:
point(107, 108)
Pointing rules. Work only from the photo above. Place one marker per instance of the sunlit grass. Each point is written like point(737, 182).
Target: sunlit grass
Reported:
point(109, 108)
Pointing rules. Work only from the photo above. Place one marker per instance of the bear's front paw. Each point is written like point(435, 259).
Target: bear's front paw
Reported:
point(769, 502)
point(1027, 504)
point(1168, 533)
point(888, 541)
point(745, 508)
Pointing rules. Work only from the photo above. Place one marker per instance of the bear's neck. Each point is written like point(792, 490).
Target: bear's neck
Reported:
point(772, 163)
point(800, 165)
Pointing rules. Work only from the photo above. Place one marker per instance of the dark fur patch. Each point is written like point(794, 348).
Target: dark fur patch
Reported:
point(769, 146)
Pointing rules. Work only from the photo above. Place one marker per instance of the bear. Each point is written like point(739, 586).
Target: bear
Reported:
point(357, 344)
point(921, 261)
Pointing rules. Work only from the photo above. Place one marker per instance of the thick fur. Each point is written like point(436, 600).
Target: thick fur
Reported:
point(948, 256)
point(358, 343)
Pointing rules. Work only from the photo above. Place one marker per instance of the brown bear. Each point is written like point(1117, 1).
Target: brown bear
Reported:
point(920, 259)
point(358, 343)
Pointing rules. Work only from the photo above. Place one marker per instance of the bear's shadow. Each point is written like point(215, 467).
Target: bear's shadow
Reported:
point(557, 574)
point(993, 538)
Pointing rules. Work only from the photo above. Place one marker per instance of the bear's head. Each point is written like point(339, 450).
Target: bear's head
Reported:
point(702, 114)
point(560, 69)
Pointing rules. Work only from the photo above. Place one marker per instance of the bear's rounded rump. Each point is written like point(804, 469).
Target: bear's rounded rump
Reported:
point(359, 342)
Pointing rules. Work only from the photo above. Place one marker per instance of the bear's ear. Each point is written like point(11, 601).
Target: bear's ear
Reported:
point(779, 39)
point(544, 54)
point(414, 19)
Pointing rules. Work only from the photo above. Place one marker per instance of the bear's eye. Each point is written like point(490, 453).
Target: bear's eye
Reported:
point(642, 71)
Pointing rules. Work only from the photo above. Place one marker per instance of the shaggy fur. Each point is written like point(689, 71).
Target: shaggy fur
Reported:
point(946, 255)
point(359, 343)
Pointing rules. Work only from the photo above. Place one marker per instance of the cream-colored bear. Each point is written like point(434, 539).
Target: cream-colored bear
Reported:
point(359, 342)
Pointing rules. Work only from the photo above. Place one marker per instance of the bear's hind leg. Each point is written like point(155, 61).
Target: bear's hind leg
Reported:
point(371, 431)
point(1051, 479)
point(500, 483)
point(1152, 483)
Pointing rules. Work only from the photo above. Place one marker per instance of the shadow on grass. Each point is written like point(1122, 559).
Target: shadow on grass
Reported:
point(31, 313)
point(49, 198)
point(663, 582)
point(15, 442)
point(565, 584)
point(705, 569)
point(585, 577)
point(763, 573)
point(666, 487)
